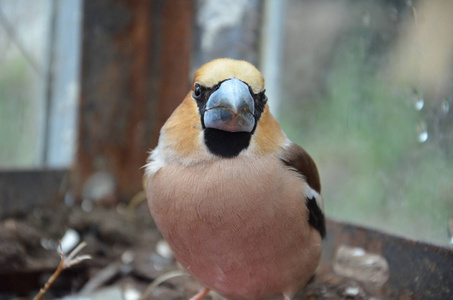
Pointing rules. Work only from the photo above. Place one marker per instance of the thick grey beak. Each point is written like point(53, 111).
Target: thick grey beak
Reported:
point(230, 108)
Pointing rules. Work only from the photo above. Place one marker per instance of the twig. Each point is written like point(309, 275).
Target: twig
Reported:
point(65, 263)
point(135, 201)
point(101, 278)
point(164, 277)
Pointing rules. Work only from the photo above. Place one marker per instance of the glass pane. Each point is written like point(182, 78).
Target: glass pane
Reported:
point(24, 32)
point(39, 63)
point(368, 88)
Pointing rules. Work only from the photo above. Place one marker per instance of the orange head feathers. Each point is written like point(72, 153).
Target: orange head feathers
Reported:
point(224, 115)
point(218, 70)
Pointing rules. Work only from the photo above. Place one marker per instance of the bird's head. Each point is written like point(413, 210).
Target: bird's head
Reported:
point(225, 114)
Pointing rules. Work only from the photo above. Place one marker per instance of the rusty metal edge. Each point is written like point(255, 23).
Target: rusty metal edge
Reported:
point(420, 269)
point(21, 190)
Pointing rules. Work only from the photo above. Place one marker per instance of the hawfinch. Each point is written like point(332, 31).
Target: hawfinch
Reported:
point(237, 201)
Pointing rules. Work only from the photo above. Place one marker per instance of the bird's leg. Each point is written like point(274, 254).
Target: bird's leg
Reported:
point(200, 294)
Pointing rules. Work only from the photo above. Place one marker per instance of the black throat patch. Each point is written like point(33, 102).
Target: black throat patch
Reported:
point(224, 143)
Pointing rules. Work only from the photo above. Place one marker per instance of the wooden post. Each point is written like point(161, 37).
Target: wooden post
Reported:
point(135, 71)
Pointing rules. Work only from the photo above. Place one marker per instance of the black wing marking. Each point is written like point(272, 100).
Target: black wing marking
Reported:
point(316, 217)
point(300, 161)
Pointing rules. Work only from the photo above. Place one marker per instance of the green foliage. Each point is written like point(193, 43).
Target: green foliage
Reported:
point(363, 135)
point(17, 115)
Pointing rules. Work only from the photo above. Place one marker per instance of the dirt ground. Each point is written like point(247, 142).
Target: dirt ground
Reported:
point(125, 258)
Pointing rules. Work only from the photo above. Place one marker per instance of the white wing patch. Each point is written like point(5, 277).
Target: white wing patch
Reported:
point(311, 193)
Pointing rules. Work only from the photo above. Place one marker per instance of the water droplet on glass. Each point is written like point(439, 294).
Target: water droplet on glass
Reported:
point(422, 132)
point(445, 106)
point(423, 137)
point(419, 103)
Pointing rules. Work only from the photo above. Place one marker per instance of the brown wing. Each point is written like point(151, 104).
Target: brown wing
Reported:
point(300, 161)
point(296, 157)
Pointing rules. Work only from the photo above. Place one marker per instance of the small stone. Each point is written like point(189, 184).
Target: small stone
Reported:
point(360, 265)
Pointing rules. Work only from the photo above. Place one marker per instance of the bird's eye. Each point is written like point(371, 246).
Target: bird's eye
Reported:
point(197, 91)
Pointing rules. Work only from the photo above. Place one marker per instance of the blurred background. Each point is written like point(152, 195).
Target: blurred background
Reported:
point(364, 86)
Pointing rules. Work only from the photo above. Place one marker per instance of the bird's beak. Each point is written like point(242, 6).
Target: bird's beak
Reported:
point(230, 108)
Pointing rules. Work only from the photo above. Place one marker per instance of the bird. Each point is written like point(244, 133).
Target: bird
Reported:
point(239, 204)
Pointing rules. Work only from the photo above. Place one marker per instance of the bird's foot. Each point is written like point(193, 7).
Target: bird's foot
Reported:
point(200, 294)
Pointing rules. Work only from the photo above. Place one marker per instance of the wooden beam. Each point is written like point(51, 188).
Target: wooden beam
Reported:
point(135, 71)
